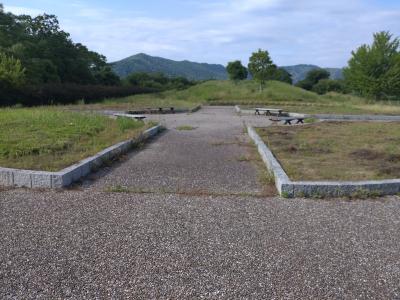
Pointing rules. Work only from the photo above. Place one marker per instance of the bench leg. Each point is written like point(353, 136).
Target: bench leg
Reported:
point(300, 122)
point(288, 122)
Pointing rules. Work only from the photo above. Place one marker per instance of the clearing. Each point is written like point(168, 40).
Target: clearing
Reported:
point(337, 150)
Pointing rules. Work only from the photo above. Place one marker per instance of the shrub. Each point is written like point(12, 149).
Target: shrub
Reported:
point(65, 94)
point(329, 85)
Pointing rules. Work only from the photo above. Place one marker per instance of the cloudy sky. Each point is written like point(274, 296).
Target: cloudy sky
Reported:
point(321, 32)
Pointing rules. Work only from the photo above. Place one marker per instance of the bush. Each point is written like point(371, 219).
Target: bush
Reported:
point(328, 85)
point(65, 94)
point(158, 81)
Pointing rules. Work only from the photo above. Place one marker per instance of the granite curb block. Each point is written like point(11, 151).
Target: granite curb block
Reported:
point(348, 117)
point(238, 109)
point(288, 188)
point(65, 177)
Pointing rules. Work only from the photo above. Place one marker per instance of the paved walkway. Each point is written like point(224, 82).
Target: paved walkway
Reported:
point(211, 158)
point(91, 244)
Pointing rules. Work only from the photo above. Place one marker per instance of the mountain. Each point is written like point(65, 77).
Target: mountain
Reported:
point(151, 64)
point(299, 72)
point(197, 71)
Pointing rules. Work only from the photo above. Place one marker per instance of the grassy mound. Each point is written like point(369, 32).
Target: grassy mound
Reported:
point(48, 139)
point(246, 93)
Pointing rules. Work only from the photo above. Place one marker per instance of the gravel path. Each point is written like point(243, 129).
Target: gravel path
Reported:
point(86, 244)
point(91, 244)
point(211, 158)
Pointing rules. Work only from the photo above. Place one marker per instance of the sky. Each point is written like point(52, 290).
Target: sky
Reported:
point(320, 32)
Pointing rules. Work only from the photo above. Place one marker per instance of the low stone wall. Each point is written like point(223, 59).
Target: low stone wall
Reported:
point(65, 177)
point(288, 188)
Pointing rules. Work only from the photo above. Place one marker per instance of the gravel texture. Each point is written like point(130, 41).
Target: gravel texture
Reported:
point(211, 158)
point(85, 244)
point(90, 244)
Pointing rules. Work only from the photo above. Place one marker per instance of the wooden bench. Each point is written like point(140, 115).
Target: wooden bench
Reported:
point(268, 111)
point(137, 117)
point(289, 120)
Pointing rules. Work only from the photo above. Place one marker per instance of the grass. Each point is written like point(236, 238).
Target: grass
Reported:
point(246, 94)
point(49, 139)
point(185, 128)
point(337, 150)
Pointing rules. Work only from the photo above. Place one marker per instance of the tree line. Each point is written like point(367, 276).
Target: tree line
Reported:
point(373, 71)
point(40, 64)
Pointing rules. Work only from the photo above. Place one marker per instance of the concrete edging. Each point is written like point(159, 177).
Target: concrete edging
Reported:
point(348, 117)
point(65, 177)
point(288, 188)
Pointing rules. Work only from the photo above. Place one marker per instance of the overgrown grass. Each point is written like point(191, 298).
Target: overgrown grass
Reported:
point(185, 128)
point(49, 139)
point(247, 93)
point(337, 150)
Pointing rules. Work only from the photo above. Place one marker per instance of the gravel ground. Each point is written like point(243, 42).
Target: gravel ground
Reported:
point(211, 158)
point(90, 244)
point(86, 244)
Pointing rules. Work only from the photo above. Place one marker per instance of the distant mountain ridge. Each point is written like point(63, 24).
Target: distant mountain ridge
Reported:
point(191, 70)
point(299, 72)
point(197, 71)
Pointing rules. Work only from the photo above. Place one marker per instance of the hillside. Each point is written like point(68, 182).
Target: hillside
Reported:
point(196, 71)
point(299, 72)
point(151, 64)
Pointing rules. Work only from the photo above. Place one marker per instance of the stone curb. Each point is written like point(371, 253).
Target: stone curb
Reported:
point(348, 117)
point(65, 177)
point(288, 188)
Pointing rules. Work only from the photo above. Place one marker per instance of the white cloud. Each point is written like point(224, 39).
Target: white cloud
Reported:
point(20, 10)
point(302, 31)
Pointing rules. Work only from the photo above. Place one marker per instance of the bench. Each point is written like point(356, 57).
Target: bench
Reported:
point(268, 111)
point(137, 117)
point(289, 120)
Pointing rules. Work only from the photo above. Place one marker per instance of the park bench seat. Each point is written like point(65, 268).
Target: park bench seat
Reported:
point(289, 120)
point(268, 111)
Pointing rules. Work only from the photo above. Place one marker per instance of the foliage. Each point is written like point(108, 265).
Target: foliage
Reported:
point(282, 75)
point(12, 74)
point(236, 71)
point(261, 67)
point(329, 85)
point(158, 81)
point(57, 93)
point(312, 78)
point(374, 70)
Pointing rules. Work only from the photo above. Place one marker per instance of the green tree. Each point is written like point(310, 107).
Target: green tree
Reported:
point(329, 85)
point(12, 74)
point(261, 67)
point(374, 70)
point(283, 75)
point(236, 71)
point(312, 78)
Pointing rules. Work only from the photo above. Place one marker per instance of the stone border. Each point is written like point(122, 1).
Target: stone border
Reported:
point(349, 117)
point(65, 177)
point(288, 188)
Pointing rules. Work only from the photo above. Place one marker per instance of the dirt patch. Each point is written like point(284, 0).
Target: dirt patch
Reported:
point(366, 154)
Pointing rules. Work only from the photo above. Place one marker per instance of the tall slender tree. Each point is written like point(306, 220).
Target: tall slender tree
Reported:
point(261, 67)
